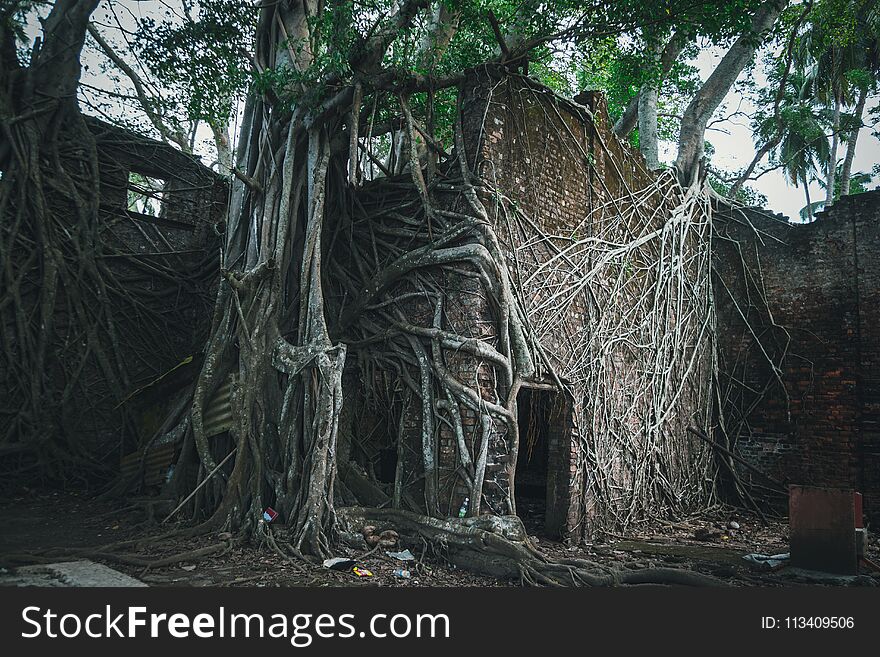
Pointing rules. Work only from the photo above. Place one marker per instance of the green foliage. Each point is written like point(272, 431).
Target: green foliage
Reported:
point(606, 42)
point(203, 58)
point(720, 181)
point(833, 59)
point(14, 16)
point(858, 184)
point(834, 24)
point(620, 65)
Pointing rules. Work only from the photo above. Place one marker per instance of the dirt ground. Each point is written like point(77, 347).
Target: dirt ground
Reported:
point(43, 527)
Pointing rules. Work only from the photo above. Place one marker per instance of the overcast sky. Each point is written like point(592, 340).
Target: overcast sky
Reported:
point(734, 150)
point(732, 140)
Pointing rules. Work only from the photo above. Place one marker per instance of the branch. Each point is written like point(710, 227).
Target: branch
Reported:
point(505, 52)
point(713, 91)
point(384, 34)
point(628, 120)
point(777, 117)
point(167, 133)
point(442, 28)
point(252, 184)
point(58, 60)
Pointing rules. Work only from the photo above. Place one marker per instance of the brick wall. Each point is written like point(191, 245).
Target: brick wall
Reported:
point(808, 293)
point(559, 161)
point(184, 239)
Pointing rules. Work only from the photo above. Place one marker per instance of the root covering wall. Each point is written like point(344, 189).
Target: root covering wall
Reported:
point(164, 266)
point(610, 263)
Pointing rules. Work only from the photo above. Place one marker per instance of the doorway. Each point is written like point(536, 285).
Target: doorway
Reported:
point(534, 409)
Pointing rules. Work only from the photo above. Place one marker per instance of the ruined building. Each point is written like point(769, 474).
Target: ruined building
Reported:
point(611, 266)
point(799, 346)
point(162, 215)
point(158, 220)
point(652, 321)
point(650, 312)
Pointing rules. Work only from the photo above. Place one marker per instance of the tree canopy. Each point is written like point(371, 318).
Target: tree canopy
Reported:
point(305, 102)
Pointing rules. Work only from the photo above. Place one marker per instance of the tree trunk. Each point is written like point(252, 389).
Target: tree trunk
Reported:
point(648, 126)
point(807, 195)
point(780, 93)
point(630, 117)
point(706, 101)
point(221, 143)
point(58, 293)
point(271, 330)
point(846, 173)
point(759, 155)
point(831, 170)
point(442, 27)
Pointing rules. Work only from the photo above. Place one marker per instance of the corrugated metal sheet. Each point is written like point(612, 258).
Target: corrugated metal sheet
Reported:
point(217, 417)
point(156, 464)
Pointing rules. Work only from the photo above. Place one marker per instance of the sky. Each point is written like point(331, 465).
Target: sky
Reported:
point(734, 150)
point(732, 139)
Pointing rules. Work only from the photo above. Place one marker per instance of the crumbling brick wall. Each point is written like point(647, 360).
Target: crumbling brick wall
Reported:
point(558, 161)
point(561, 161)
point(552, 158)
point(184, 237)
point(801, 298)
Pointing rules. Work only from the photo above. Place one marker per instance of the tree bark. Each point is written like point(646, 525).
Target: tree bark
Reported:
point(50, 243)
point(831, 168)
point(630, 117)
point(442, 28)
point(648, 126)
point(221, 144)
point(777, 105)
point(709, 97)
point(807, 195)
point(846, 172)
point(289, 199)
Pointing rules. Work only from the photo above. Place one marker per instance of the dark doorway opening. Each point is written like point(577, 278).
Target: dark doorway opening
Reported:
point(532, 462)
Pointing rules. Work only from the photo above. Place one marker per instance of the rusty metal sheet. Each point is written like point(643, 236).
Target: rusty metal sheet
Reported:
point(217, 419)
point(822, 522)
point(156, 464)
point(218, 411)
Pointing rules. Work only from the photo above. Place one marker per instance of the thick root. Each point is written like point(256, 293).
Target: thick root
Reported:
point(499, 546)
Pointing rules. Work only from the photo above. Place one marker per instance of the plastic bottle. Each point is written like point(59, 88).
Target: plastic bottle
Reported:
point(462, 512)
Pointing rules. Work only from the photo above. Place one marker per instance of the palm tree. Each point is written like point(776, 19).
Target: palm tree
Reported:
point(794, 135)
point(832, 60)
point(803, 163)
point(802, 149)
point(865, 79)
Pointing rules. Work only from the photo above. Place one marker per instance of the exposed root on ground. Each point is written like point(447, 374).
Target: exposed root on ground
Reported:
point(499, 546)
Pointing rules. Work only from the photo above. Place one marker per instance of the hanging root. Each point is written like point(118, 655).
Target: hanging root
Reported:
point(459, 291)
